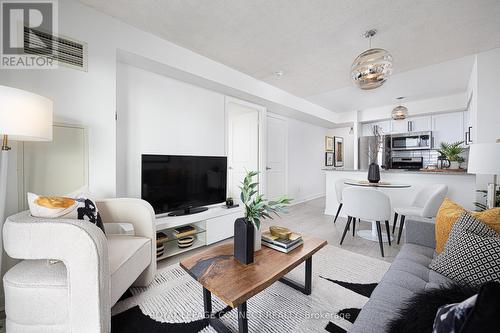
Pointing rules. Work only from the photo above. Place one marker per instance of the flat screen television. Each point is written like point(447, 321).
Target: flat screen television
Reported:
point(183, 184)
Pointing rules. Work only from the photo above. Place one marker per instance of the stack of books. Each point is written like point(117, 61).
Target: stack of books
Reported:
point(184, 231)
point(280, 244)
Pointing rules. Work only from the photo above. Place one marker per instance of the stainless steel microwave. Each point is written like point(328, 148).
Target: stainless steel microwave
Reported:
point(412, 141)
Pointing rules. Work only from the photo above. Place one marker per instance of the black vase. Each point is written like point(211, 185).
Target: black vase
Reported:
point(373, 173)
point(243, 240)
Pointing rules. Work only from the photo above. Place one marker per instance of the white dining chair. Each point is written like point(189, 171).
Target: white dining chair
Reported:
point(369, 205)
point(339, 187)
point(426, 204)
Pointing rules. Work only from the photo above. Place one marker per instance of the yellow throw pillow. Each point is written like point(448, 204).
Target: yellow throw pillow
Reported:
point(448, 214)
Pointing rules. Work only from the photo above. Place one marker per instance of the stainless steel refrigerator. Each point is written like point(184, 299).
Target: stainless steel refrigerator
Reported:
point(366, 144)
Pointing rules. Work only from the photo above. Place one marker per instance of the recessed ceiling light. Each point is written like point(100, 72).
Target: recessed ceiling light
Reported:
point(279, 73)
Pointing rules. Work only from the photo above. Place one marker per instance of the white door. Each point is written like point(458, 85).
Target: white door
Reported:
point(242, 144)
point(276, 157)
point(447, 128)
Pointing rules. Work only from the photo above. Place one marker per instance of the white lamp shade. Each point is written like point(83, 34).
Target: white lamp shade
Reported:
point(484, 159)
point(25, 116)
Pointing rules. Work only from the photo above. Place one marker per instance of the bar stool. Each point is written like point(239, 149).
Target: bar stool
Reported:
point(339, 187)
point(426, 204)
point(369, 205)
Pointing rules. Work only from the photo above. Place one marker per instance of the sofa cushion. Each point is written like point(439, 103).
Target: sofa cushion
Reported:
point(472, 253)
point(449, 213)
point(408, 275)
point(128, 257)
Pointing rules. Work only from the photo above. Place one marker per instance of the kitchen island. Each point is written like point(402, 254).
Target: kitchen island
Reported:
point(461, 185)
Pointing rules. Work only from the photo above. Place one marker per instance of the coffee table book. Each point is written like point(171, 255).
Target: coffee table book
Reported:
point(281, 248)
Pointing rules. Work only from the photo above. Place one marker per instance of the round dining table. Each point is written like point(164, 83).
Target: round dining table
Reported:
point(372, 234)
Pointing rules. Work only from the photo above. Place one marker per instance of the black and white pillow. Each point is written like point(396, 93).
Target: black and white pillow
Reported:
point(472, 253)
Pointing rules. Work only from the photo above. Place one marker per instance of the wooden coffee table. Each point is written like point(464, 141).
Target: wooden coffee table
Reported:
point(234, 283)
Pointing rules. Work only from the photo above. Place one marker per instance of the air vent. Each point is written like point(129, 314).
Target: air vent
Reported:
point(63, 50)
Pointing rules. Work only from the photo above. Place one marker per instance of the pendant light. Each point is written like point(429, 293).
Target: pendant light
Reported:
point(373, 67)
point(400, 112)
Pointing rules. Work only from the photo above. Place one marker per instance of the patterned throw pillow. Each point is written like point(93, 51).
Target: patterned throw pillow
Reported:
point(472, 253)
point(448, 214)
point(79, 208)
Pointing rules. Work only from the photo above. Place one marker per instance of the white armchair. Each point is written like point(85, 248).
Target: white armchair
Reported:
point(75, 295)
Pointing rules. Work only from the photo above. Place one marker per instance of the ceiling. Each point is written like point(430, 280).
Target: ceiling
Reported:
point(315, 41)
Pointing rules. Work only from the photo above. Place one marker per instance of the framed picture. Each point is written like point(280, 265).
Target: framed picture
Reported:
point(339, 151)
point(329, 156)
point(328, 143)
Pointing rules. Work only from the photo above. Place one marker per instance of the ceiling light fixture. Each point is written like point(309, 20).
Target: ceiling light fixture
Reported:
point(400, 112)
point(373, 67)
point(279, 73)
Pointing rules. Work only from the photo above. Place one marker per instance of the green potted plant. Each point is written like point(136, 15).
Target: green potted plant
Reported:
point(452, 152)
point(247, 235)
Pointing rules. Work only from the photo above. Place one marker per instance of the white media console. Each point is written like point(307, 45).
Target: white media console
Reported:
point(213, 225)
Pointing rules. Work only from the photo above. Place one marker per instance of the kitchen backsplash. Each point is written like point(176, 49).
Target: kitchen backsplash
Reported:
point(429, 156)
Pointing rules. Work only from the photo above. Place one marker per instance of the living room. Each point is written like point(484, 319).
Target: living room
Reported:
point(332, 164)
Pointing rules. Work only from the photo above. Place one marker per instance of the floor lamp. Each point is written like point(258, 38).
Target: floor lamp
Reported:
point(24, 116)
point(484, 159)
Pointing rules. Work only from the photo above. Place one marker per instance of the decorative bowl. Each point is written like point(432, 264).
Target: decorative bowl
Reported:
point(280, 232)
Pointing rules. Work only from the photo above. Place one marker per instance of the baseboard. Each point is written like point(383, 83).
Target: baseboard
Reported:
point(308, 198)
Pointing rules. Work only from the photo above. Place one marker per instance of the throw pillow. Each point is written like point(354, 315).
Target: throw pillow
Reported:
point(418, 313)
point(448, 214)
point(479, 313)
point(471, 255)
point(81, 208)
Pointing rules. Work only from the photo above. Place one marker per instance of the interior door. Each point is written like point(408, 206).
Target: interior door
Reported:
point(243, 145)
point(276, 157)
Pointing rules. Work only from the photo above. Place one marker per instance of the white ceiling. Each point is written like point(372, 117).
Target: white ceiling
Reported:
point(314, 41)
point(442, 79)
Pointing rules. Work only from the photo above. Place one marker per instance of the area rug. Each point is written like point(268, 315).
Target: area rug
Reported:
point(342, 283)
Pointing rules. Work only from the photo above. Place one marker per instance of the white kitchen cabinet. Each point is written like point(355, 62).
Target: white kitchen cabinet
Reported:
point(420, 124)
point(447, 127)
point(412, 124)
point(384, 127)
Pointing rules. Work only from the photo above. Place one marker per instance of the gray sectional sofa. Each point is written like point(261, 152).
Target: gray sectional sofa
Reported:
point(408, 274)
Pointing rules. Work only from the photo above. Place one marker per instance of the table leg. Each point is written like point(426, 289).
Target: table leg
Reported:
point(216, 323)
point(307, 287)
point(242, 318)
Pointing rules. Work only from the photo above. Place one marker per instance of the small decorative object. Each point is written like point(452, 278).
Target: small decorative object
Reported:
point(373, 151)
point(328, 143)
point(373, 67)
point(339, 151)
point(229, 202)
point(400, 112)
point(329, 158)
point(452, 151)
point(256, 209)
point(443, 162)
point(185, 242)
point(280, 232)
point(373, 173)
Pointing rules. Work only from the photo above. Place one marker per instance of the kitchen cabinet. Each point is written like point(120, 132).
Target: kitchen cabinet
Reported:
point(447, 127)
point(412, 124)
point(384, 127)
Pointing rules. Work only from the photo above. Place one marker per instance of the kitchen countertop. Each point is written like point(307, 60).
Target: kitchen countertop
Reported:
point(439, 172)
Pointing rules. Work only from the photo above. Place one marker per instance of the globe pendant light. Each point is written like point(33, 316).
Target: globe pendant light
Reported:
point(373, 67)
point(400, 112)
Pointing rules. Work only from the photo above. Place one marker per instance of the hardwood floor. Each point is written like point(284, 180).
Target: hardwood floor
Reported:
point(308, 218)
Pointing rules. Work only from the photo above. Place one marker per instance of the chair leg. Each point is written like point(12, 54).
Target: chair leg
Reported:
point(401, 224)
point(388, 232)
point(353, 227)
point(345, 229)
point(338, 212)
point(394, 223)
point(379, 232)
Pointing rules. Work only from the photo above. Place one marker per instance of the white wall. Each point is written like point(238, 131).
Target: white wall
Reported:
point(349, 142)
point(306, 159)
point(160, 115)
